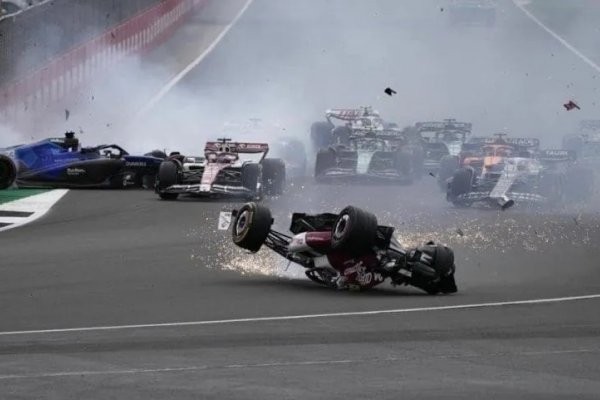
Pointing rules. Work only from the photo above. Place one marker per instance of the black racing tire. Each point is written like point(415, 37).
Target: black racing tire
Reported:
point(448, 166)
point(354, 231)
point(403, 163)
point(341, 135)
point(251, 175)
point(325, 160)
point(168, 175)
point(8, 172)
point(251, 226)
point(418, 161)
point(551, 186)
point(273, 175)
point(321, 134)
point(578, 184)
point(461, 183)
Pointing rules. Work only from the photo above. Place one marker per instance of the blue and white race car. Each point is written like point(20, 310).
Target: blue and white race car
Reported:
point(63, 163)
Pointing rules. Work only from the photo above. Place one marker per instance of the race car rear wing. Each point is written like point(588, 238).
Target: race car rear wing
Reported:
point(350, 114)
point(521, 142)
point(236, 147)
point(557, 156)
point(447, 124)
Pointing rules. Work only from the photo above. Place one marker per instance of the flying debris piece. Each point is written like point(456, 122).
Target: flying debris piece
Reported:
point(389, 91)
point(571, 105)
point(442, 9)
point(460, 232)
point(432, 174)
point(67, 114)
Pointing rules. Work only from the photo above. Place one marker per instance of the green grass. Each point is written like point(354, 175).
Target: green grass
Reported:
point(9, 195)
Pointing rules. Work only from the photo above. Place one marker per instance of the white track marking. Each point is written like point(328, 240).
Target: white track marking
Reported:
point(137, 371)
point(165, 89)
point(303, 317)
point(38, 204)
point(562, 41)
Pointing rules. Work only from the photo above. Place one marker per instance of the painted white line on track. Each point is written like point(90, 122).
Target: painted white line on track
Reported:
point(165, 89)
point(192, 368)
point(38, 204)
point(303, 317)
point(556, 36)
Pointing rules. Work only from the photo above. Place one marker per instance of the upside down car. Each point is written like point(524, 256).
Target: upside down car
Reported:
point(348, 250)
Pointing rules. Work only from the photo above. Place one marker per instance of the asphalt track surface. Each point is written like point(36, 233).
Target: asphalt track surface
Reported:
point(112, 258)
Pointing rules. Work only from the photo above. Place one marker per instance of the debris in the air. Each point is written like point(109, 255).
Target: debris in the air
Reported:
point(112, 34)
point(442, 9)
point(432, 174)
point(389, 91)
point(571, 105)
point(67, 114)
point(460, 232)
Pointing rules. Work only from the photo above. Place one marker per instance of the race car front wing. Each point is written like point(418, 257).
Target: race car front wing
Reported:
point(209, 189)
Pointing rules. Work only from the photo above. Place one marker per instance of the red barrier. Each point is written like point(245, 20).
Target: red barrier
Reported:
point(64, 74)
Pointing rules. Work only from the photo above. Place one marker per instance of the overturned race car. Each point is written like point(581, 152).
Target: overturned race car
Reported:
point(348, 250)
point(228, 168)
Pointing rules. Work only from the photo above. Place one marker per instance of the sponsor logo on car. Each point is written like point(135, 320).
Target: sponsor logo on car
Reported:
point(135, 164)
point(76, 171)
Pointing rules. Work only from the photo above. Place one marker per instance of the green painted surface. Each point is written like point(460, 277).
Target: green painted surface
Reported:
point(16, 194)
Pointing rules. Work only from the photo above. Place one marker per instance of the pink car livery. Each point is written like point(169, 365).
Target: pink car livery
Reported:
point(228, 168)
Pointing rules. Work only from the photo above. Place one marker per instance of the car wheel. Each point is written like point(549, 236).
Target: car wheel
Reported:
point(273, 176)
point(448, 166)
point(461, 183)
point(168, 175)
point(325, 160)
point(8, 172)
point(251, 226)
point(321, 134)
point(354, 231)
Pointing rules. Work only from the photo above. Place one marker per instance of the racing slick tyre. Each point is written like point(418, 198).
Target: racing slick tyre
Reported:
point(325, 160)
point(341, 135)
point(8, 172)
point(461, 183)
point(418, 161)
point(168, 175)
point(273, 174)
point(448, 165)
point(251, 226)
point(551, 186)
point(403, 164)
point(354, 231)
point(320, 134)
point(578, 184)
point(251, 175)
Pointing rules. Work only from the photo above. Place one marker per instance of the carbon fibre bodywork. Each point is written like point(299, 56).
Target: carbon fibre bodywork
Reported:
point(61, 163)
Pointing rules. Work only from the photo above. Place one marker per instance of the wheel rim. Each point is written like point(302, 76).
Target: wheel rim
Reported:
point(242, 222)
point(341, 227)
